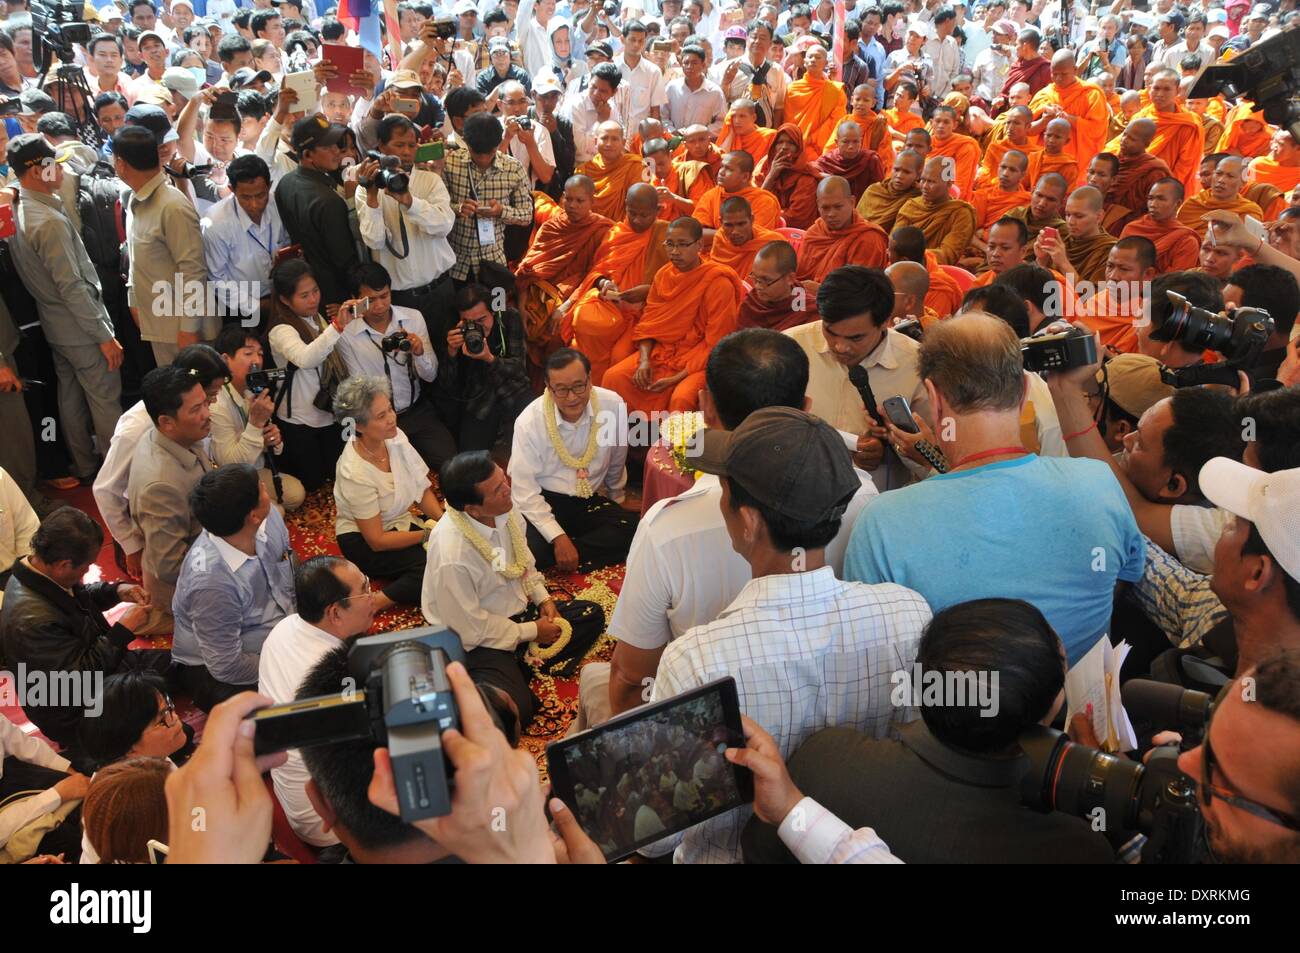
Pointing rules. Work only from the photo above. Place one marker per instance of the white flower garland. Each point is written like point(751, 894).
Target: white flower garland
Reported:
point(584, 488)
point(518, 543)
point(542, 653)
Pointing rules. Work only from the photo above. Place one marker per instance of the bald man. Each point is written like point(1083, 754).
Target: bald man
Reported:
point(1082, 106)
point(1115, 311)
point(1224, 194)
point(1138, 168)
point(881, 202)
point(1178, 138)
point(1046, 203)
point(948, 223)
point(907, 243)
point(1280, 169)
point(1178, 248)
point(738, 239)
point(840, 236)
point(775, 299)
point(734, 179)
point(849, 159)
point(1084, 252)
point(1018, 121)
point(679, 182)
point(911, 285)
point(1056, 155)
point(1005, 193)
point(1219, 259)
point(614, 170)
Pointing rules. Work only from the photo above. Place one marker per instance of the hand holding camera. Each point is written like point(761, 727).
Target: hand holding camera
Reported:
point(259, 409)
point(470, 339)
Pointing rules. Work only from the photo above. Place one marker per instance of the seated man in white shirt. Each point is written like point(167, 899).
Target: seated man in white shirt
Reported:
point(567, 469)
point(242, 428)
point(334, 604)
point(241, 235)
point(807, 650)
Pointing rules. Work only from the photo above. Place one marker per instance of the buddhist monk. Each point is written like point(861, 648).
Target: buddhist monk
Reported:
point(787, 175)
point(1101, 173)
point(1213, 128)
point(1081, 105)
point(963, 150)
point(880, 202)
point(647, 129)
point(1219, 259)
point(679, 182)
point(840, 236)
point(849, 159)
point(599, 323)
point(775, 300)
point(1179, 138)
point(697, 146)
point(614, 170)
point(919, 141)
point(558, 260)
point(1018, 97)
point(741, 132)
point(876, 136)
point(948, 223)
point(1017, 138)
point(1205, 171)
point(1280, 169)
point(1138, 169)
point(900, 116)
point(813, 103)
point(907, 244)
point(691, 306)
point(1224, 194)
point(1046, 203)
point(1245, 132)
point(1084, 252)
point(1005, 193)
point(1030, 68)
point(738, 239)
point(1006, 246)
point(1178, 248)
point(911, 285)
point(1054, 156)
point(1115, 310)
point(734, 178)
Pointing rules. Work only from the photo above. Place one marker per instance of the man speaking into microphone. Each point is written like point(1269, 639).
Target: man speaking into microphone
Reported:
point(855, 361)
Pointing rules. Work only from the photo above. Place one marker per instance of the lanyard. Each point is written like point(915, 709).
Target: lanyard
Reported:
point(242, 415)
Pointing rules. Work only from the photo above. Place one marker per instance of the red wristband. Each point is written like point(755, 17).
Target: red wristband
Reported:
point(1092, 426)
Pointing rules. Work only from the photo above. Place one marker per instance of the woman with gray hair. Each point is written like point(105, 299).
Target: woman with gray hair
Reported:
point(378, 477)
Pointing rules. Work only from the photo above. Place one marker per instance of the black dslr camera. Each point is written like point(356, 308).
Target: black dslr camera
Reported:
point(189, 170)
point(390, 176)
point(475, 337)
point(1240, 336)
point(259, 380)
point(404, 703)
point(1059, 352)
point(523, 122)
point(444, 28)
point(397, 341)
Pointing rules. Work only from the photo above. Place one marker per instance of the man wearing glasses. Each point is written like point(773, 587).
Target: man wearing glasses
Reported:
point(574, 512)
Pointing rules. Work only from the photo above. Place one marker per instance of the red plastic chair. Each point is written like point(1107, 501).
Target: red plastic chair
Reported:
point(794, 236)
point(282, 834)
point(963, 277)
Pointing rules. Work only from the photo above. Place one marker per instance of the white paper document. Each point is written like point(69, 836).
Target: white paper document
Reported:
point(1094, 680)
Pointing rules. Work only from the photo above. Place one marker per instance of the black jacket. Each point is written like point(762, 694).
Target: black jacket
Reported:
point(316, 217)
point(49, 631)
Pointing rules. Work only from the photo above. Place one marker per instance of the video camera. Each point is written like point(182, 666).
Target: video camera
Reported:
point(258, 379)
point(1059, 352)
point(405, 705)
point(1267, 73)
point(390, 176)
point(1240, 336)
point(57, 28)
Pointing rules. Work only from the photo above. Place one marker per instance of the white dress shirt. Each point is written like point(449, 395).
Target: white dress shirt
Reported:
point(541, 136)
point(706, 106)
point(360, 347)
point(288, 348)
point(465, 593)
point(30, 749)
point(291, 650)
point(816, 836)
point(535, 466)
point(426, 253)
point(18, 522)
point(808, 651)
point(234, 438)
point(945, 54)
point(581, 112)
point(363, 491)
point(239, 253)
point(646, 87)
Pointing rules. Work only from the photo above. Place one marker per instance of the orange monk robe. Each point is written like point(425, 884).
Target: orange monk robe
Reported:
point(1067, 300)
point(766, 209)
point(756, 142)
point(543, 208)
point(865, 170)
point(945, 295)
point(948, 226)
point(965, 152)
point(1090, 116)
point(816, 106)
point(1115, 217)
point(902, 123)
point(713, 159)
point(988, 172)
point(561, 252)
point(686, 314)
point(1179, 141)
point(1213, 132)
point(1268, 197)
point(795, 187)
point(1088, 256)
point(741, 258)
point(1022, 213)
point(1218, 108)
point(799, 308)
point(1041, 163)
point(1267, 171)
point(612, 182)
point(1136, 176)
point(1113, 315)
point(1237, 141)
point(861, 243)
point(688, 178)
point(1178, 248)
point(992, 203)
point(1197, 205)
point(880, 203)
point(873, 127)
point(602, 329)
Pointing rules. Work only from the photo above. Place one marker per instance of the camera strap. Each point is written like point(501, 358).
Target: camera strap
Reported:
point(409, 365)
point(406, 242)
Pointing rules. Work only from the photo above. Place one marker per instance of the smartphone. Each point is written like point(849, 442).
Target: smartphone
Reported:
point(312, 721)
point(662, 46)
point(1256, 227)
point(8, 228)
point(1050, 232)
point(430, 151)
point(407, 107)
point(614, 777)
point(899, 413)
point(362, 307)
point(158, 851)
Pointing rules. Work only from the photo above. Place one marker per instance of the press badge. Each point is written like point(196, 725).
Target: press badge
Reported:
point(487, 231)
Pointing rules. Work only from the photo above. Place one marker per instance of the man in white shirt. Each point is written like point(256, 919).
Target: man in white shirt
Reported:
point(531, 27)
point(646, 91)
point(693, 99)
point(573, 504)
point(682, 571)
point(241, 235)
point(591, 108)
point(739, 78)
point(333, 605)
point(18, 524)
point(527, 141)
point(370, 348)
point(1193, 44)
point(807, 650)
point(943, 51)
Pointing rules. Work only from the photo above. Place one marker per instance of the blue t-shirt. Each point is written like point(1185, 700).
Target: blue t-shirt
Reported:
point(1056, 532)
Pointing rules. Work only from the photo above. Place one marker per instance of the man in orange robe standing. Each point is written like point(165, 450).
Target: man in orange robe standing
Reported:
point(1179, 138)
point(840, 236)
point(691, 306)
point(1178, 248)
point(948, 223)
point(614, 170)
point(814, 103)
point(738, 239)
point(734, 178)
point(1082, 105)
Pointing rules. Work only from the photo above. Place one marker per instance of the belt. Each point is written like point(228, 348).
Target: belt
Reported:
point(422, 289)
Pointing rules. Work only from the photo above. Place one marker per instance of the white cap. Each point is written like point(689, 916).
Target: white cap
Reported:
point(546, 83)
point(1269, 500)
point(109, 12)
point(920, 28)
point(463, 7)
point(1144, 20)
point(1220, 31)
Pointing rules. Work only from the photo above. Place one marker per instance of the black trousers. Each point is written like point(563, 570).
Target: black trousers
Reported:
point(19, 776)
point(508, 672)
point(404, 568)
point(435, 302)
point(310, 453)
point(199, 684)
point(428, 434)
point(600, 528)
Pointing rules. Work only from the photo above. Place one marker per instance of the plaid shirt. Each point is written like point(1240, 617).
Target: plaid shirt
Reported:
point(1177, 599)
point(506, 182)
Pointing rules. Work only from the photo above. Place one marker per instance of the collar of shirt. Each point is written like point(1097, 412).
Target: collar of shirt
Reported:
point(149, 189)
point(254, 229)
point(28, 563)
point(232, 557)
point(360, 329)
point(312, 633)
point(185, 456)
point(42, 198)
point(567, 427)
point(884, 354)
point(970, 769)
point(785, 588)
point(705, 483)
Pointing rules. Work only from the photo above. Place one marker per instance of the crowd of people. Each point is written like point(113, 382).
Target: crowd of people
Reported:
point(465, 277)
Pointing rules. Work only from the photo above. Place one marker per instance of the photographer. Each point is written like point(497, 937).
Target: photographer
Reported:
point(501, 70)
point(526, 140)
point(1201, 291)
point(242, 428)
point(241, 236)
point(405, 216)
point(963, 760)
point(483, 385)
point(1276, 291)
point(489, 191)
point(404, 87)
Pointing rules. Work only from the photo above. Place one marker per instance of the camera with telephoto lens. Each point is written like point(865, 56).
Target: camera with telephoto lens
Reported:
point(258, 380)
point(397, 341)
point(475, 336)
point(189, 170)
point(1240, 336)
point(1059, 352)
point(390, 176)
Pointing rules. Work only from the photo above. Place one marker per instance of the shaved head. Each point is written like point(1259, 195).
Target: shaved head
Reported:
point(1089, 197)
point(907, 243)
point(580, 182)
point(835, 185)
point(736, 206)
point(642, 207)
point(780, 255)
point(910, 280)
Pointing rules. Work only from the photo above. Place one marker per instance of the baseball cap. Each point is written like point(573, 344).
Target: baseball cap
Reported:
point(735, 33)
point(404, 79)
point(498, 43)
point(1260, 12)
point(1269, 500)
point(151, 33)
point(1220, 31)
point(246, 75)
point(109, 12)
point(1217, 15)
point(180, 80)
point(1173, 16)
point(787, 460)
point(1144, 20)
point(1006, 27)
point(313, 131)
point(546, 83)
point(34, 101)
point(464, 7)
point(183, 3)
point(153, 118)
point(1133, 383)
point(28, 150)
point(920, 28)
point(602, 47)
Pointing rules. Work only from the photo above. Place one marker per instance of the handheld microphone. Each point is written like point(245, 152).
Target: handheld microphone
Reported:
point(859, 379)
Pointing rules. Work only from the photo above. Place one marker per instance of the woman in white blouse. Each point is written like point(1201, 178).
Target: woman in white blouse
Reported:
point(378, 478)
point(304, 342)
